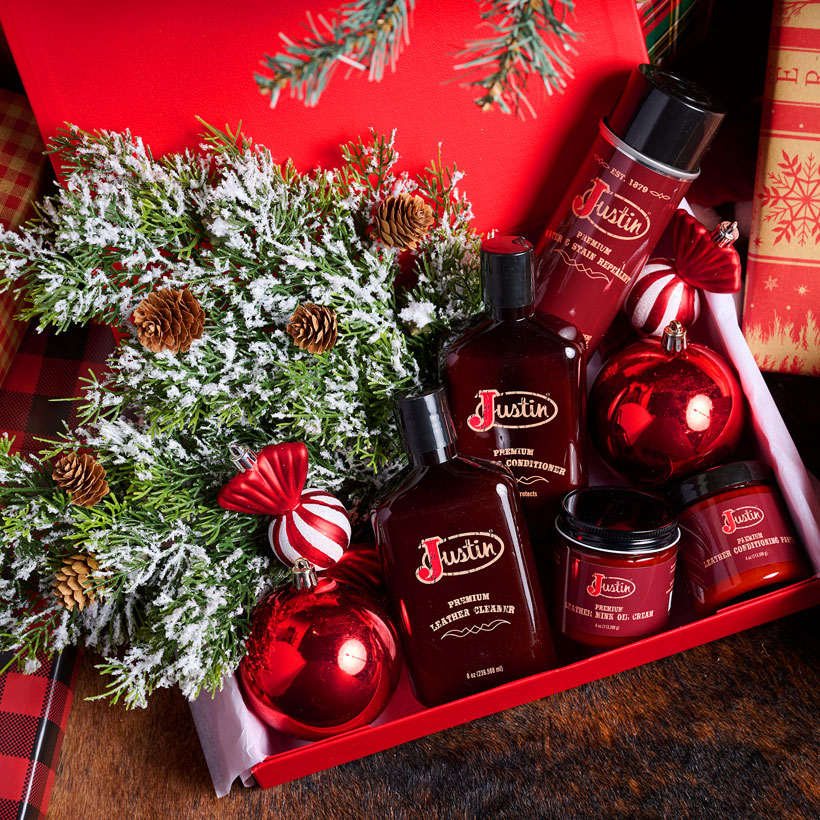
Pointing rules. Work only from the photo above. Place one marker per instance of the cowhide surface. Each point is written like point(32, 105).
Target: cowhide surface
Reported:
point(726, 730)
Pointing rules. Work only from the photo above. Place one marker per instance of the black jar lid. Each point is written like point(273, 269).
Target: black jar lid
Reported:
point(720, 479)
point(618, 519)
point(665, 117)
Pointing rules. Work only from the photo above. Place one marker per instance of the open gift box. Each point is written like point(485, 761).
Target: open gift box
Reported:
point(156, 90)
point(237, 744)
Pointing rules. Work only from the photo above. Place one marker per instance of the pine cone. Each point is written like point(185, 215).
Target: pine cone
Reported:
point(169, 319)
point(403, 220)
point(313, 328)
point(72, 584)
point(82, 477)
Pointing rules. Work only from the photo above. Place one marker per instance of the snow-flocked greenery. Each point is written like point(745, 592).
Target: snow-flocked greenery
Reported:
point(252, 238)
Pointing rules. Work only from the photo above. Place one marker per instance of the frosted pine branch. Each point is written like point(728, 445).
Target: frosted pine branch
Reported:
point(252, 239)
point(527, 37)
point(365, 35)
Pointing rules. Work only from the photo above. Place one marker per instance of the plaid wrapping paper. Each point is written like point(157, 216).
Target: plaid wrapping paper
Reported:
point(24, 171)
point(671, 25)
point(34, 708)
point(34, 713)
point(50, 366)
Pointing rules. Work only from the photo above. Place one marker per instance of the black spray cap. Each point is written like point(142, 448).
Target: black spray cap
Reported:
point(665, 117)
point(507, 272)
point(426, 423)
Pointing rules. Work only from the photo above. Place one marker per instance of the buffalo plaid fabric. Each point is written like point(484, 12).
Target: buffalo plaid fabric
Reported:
point(11, 333)
point(33, 717)
point(50, 366)
point(24, 172)
point(34, 708)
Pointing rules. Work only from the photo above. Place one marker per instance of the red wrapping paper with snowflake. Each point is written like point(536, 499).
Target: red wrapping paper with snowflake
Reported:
point(781, 315)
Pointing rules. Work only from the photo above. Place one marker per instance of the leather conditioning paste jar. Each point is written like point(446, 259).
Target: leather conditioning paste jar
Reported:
point(615, 565)
point(737, 537)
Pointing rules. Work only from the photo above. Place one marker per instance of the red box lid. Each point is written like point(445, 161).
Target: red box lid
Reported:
point(153, 66)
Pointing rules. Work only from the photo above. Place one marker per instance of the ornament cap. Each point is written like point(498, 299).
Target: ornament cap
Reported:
point(242, 457)
point(703, 259)
point(303, 575)
point(725, 234)
point(674, 337)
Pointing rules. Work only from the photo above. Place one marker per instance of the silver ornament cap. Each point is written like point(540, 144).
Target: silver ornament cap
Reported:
point(303, 575)
point(242, 457)
point(674, 337)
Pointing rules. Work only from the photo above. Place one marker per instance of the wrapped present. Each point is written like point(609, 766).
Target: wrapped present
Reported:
point(23, 174)
point(671, 25)
point(34, 708)
point(49, 366)
point(781, 317)
point(34, 713)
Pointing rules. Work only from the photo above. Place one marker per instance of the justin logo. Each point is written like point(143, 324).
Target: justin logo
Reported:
point(741, 519)
point(612, 214)
point(515, 408)
point(458, 555)
point(604, 587)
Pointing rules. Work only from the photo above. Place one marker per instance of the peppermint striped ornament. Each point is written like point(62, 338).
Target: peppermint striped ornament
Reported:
point(658, 296)
point(317, 529)
point(309, 524)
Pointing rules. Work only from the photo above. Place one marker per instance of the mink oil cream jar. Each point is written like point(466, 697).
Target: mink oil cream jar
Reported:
point(615, 565)
point(737, 538)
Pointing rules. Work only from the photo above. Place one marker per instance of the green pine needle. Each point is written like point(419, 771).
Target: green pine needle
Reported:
point(528, 37)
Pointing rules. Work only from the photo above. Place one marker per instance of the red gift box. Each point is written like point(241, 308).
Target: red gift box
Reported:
point(515, 174)
point(236, 743)
point(153, 67)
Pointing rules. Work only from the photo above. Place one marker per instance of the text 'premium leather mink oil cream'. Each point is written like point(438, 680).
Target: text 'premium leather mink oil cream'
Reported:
point(614, 565)
point(624, 195)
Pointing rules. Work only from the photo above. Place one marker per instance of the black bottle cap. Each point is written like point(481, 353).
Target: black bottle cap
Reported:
point(507, 272)
point(426, 423)
point(665, 117)
point(718, 479)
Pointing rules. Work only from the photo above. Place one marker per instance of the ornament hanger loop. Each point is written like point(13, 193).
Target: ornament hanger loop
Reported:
point(303, 574)
point(674, 337)
point(241, 456)
point(725, 234)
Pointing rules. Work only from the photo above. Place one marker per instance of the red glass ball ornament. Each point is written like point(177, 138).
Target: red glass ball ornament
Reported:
point(662, 409)
point(322, 657)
